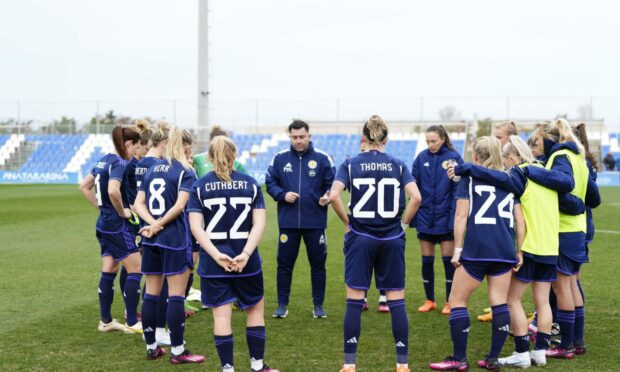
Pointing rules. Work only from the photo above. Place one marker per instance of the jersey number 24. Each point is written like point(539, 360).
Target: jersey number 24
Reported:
point(508, 201)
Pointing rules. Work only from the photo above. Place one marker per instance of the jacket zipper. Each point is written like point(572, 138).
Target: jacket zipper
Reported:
point(299, 199)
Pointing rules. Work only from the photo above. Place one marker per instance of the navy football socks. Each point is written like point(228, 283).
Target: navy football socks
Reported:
point(352, 329)
point(579, 325)
point(149, 310)
point(501, 326)
point(449, 271)
point(190, 281)
point(256, 336)
point(162, 306)
point(428, 276)
point(543, 340)
point(522, 343)
point(459, 330)
point(400, 329)
point(553, 302)
point(176, 319)
point(225, 348)
point(106, 295)
point(566, 320)
point(122, 278)
point(131, 295)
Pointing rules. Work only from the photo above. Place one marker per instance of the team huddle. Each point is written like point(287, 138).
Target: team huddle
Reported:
point(519, 214)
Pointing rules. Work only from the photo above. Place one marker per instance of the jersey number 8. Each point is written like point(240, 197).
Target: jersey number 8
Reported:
point(157, 188)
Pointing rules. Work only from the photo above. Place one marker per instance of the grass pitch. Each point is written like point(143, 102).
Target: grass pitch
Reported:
point(49, 270)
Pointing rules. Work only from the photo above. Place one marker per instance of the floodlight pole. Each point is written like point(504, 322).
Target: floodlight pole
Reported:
point(203, 69)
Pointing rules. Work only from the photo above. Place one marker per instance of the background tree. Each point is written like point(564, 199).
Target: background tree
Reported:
point(448, 113)
point(484, 127)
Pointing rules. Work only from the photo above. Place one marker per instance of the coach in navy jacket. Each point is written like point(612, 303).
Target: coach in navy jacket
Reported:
point(299, 179)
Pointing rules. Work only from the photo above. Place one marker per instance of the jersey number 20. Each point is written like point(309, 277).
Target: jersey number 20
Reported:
point(370, 182)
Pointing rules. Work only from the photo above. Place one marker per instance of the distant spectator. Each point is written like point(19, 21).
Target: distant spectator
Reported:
point(609, 161)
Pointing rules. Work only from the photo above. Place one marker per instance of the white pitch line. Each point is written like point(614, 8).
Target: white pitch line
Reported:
point(607, 231)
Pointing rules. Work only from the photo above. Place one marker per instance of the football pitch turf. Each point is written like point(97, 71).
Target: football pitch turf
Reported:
point(50, 267)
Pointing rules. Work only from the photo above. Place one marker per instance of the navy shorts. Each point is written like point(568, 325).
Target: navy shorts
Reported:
point(435, 238)
point(162, 261)
point(479, 269)
point(133, 230)
point(533, 271)
point(567, 266)
point(118, 245)
point(362, 254)
point(246, 290)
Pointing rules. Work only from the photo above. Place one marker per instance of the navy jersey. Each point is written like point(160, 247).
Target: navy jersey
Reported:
point(129, 183)
point(142, 167)
point(490, 225)
point(162, 184)
point(376, 182)
point(227, 210)
point(110, 167)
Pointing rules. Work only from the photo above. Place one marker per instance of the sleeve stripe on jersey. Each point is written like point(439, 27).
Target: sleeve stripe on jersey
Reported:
point(274, 157)
point(350, 178)
point(255, 192)
point(179, 183)
point(331, 162)
point(198, 191)
point(471, 195)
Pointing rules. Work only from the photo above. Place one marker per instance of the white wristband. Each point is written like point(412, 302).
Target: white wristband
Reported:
point(458, 250)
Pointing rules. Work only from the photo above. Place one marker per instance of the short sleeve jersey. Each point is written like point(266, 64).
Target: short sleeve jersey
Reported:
point(227, 211)
point(129, 182)
point(142, 167)
point(162, 184)
point(490, 225)
point(376, 183)
point(110, 167)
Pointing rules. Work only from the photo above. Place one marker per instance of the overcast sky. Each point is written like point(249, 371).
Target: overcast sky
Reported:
point(299, 57)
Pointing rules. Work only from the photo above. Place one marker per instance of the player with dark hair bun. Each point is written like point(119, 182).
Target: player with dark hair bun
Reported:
point(117, 244)
point(435, 219)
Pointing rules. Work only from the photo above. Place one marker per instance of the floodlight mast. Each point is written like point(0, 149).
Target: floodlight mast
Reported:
point(203, 70)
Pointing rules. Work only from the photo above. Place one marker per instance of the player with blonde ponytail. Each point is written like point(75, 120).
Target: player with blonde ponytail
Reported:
point(490, 215)
point(227, 217)
point(161, 201)
point(566, 154)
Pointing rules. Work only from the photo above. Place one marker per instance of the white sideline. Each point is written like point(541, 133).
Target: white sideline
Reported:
point(607, 231)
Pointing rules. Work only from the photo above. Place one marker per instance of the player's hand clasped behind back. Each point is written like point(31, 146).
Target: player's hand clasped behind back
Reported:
point(234, 265)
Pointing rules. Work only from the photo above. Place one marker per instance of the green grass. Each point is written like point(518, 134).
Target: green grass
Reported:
point(49, 270)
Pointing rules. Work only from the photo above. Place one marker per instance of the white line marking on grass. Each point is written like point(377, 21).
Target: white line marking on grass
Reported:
point(607, 231)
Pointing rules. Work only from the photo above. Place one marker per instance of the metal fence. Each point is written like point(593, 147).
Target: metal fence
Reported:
point(250, 114)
